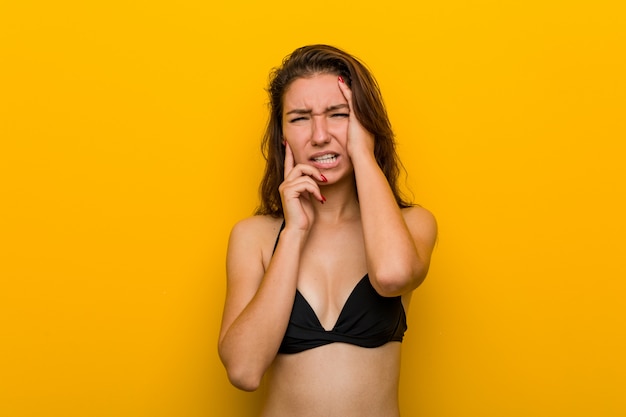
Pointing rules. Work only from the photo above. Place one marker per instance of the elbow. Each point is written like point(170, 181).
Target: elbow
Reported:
point(240, 374)
point(243, 379)
point(398, 280)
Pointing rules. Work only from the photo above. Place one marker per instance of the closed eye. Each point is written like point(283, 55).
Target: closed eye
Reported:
point(340, 115)
point(297, 119)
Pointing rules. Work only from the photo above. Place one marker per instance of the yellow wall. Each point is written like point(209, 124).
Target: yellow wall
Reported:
point(129, 137)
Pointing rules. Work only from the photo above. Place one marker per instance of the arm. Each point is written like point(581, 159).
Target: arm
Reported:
point(398, 242)
point(258, 301)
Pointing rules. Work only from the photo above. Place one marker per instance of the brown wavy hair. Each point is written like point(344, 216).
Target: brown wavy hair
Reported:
point(368, 108)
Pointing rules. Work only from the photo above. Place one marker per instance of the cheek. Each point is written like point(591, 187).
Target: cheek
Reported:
point(296, 138)
point(295, 145)
point(340, 133)
point(289, 133)
point(339, 127)
point(298, 155)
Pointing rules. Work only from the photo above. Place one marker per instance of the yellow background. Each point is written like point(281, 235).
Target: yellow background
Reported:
point(129, 145)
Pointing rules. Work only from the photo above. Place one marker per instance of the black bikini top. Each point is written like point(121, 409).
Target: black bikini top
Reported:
point(367, 319)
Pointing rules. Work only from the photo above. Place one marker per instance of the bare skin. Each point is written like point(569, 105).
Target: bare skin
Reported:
point(334, 197)
point(333, 381)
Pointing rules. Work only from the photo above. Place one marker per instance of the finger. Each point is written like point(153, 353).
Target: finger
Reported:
point(347, 94)
point(303, 186)
point(289, 160)
point(345, 90)
point(310, 189)
point(307, 170)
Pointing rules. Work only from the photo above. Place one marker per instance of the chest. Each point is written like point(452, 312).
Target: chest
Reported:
point(333, 262)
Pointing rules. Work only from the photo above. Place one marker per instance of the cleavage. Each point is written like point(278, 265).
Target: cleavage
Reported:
point(332, 263)
point(326, 321)
point(327, 299)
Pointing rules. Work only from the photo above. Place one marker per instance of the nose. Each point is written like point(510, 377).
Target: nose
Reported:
point(320, 134)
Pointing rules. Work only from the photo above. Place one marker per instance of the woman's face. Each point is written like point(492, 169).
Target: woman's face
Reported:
point(315, 124)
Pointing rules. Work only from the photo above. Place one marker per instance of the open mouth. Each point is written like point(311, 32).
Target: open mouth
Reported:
point(325, 159)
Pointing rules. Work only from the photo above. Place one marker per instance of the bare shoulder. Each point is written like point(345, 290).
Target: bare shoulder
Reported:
point(249, 251)
point(422, 223)
point(256, 227)
point(253, 237)
point(420, 215)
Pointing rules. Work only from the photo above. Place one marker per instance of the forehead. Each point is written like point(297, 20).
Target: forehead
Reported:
point(313, 93)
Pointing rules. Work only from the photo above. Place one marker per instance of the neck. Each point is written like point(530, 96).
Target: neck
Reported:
point(341, 203)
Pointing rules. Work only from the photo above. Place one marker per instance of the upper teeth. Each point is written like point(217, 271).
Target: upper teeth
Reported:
point(325, 158)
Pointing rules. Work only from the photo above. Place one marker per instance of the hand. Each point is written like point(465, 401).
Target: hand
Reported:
point(359, 139)
point(297, 190)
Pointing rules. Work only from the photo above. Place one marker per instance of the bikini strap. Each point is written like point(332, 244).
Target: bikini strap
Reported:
point(282, 226)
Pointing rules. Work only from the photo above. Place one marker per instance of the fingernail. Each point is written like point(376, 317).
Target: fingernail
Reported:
point(341, 79)
point(323, 178)
point(323, 200)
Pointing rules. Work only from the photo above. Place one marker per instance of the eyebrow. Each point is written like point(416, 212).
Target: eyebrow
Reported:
point(309, 111)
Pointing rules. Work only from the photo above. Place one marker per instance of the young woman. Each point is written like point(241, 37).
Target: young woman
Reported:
point(319, 281)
